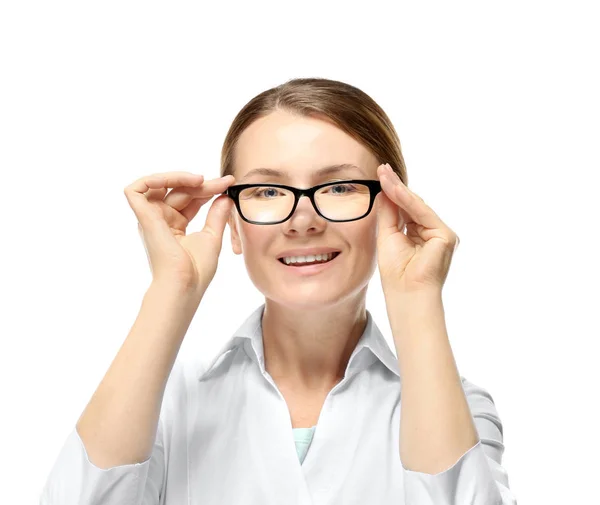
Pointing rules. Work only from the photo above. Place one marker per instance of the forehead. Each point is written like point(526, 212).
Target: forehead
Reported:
point(298, 145)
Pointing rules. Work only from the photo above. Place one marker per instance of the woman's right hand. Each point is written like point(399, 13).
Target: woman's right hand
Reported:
point(187, 262)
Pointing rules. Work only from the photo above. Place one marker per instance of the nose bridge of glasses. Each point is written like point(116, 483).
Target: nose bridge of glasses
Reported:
point(309, 194)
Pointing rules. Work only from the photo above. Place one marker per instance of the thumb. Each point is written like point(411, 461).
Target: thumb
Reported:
point(210, 239)
point(217, 216)
point(388, 217)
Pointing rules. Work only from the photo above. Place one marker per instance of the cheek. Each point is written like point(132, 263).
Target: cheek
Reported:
point(256, 242)
point(362, 240)
point(364, 235)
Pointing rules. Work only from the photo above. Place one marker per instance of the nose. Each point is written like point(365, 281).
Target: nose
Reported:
point(305, 218)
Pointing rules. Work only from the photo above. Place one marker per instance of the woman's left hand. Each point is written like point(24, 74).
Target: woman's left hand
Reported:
point(420, 259)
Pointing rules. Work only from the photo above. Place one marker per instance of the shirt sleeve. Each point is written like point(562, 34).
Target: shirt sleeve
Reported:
point(75, 480)
point(478, 477)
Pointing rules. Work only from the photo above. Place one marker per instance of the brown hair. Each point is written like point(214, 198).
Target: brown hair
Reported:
point(346, 106)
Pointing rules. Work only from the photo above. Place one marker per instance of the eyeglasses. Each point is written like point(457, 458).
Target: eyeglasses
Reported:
point(338, 201)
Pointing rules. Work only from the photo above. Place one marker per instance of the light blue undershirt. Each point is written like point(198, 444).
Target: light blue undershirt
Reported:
point(303, 438)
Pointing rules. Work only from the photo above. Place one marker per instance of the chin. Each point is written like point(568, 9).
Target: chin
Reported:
point(309, 297)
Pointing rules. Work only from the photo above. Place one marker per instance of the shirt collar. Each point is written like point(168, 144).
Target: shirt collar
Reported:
point(371, 347)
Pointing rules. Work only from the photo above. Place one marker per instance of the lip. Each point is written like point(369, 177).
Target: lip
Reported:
point(306, 251)
point(309, 269)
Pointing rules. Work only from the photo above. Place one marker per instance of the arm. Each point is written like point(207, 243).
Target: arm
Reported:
point(116, 448)
point(451, 439)
point(436, 426)
point(119, 424)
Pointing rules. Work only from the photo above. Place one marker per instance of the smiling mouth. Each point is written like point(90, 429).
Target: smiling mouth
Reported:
point(308, 263)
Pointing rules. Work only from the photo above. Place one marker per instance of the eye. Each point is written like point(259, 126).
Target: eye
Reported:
point(260, 192)
point(341, 189)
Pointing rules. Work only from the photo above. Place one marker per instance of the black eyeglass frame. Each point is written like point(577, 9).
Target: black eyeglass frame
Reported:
point(233, 192)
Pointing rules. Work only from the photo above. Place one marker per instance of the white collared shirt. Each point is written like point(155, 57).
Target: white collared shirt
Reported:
point(225, 437)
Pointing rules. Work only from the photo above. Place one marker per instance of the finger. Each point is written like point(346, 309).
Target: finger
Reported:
point(152, 186)
point(136, 194)
point(413, 205)
point(174, 179)
point(405, 218)
point(388, 219)
point(214, 227)
point(210, 188)
point(169, 180)
point(190, 211)
point(180, 198)
point(217, 216)
point(156, 194)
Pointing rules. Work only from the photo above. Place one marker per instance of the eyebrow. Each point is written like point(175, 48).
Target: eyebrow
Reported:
point(328, 170)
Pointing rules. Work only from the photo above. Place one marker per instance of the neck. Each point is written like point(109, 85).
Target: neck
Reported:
point(309, 348)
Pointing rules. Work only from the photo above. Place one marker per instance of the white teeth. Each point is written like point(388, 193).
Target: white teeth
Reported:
point(310, 258)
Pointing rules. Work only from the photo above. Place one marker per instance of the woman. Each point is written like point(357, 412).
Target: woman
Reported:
point(310, 362)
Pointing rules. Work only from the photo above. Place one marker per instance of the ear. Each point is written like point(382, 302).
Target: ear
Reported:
point(236, 243)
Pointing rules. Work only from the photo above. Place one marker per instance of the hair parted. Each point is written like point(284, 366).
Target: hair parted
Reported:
point(342, 104)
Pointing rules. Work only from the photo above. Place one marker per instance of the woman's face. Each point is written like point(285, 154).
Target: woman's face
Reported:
point(298, 147)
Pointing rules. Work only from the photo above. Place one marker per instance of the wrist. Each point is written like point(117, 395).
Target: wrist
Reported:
point(421, 295)
point(185, 294)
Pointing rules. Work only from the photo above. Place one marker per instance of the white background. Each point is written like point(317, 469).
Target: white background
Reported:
point(497, 109)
